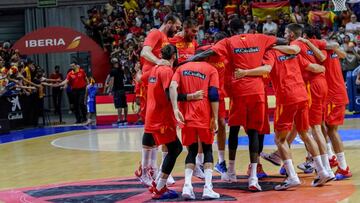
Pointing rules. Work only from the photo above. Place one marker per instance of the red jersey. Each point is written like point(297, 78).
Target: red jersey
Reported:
point(308, 54)
point(220, 63)
point(191, 77)
point(158, 107)
point(286, 77)
point(336, 86)
point(244, 51)
point(185, 49)
point(77, 80)
point(156, 40)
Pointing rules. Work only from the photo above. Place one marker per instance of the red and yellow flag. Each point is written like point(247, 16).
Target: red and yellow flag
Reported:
point(321, 17)
point(261, 10)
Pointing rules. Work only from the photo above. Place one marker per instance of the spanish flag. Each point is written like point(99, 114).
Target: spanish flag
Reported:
point(261, 10)
point(321, 17)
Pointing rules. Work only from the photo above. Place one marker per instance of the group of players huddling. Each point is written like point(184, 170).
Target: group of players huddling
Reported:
point(185, 87)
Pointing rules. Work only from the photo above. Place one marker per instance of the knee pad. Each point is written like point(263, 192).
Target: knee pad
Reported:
point(233, 137)
point(208, 153)
point(148, 140)
point(191, 157)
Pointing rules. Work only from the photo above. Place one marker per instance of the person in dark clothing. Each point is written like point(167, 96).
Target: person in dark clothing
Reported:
point(117, 77)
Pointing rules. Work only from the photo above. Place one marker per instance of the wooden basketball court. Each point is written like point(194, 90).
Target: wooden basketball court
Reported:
point(97, 165)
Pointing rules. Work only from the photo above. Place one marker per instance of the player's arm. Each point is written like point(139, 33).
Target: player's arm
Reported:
point(259, 71)
point(315, 68)
point(213, 95)
point(331, 45)
point(174, 102)
point(200, 57)
point(317, 52)
point(146, 52)
point(281, 41)
point(292, 49)
point(198, 95)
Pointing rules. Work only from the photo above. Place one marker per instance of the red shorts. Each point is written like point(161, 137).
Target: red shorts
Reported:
point(286, 115)
point(248, 111)
point(164, 135)
point(317, 91)
point(335, 114)
point(222, 109)
point(189, 135)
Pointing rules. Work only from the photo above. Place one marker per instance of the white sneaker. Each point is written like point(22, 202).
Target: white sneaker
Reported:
point(198, 172)
point(288, 183)
point(273, 158)
point(254, 184)
point(188, 192)
point(229, 177)
point(170, 181)
point(146, 180)
point(332, 175)
point(208, 193)
point(322, 178)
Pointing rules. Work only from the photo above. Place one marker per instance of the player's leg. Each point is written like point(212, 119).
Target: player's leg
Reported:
point(221, 139)
point(254, 154)
point(187, 192)
point(199, 163)
point(232, 145)
point(343, 170)
point(208, 192)
point(164, 152)
point(143, 172)
point(301, 119)
point(284, 150)
point(159, 189)
point(329, 149)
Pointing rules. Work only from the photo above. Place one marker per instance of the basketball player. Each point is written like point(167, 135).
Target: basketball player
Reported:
point(199, 119)
point(291, 106)
point(220, 64)
point(248, 100)
point(160, 122)
point(150, 54)
point(336, 100)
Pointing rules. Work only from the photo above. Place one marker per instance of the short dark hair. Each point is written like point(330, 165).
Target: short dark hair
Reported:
point(190, 23)
point(296, 29)
point(236, 24)
point(171, 17)
point(168, 51)
point(312, 32)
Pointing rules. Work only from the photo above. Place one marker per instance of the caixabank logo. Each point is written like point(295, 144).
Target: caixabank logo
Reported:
point(131, 190)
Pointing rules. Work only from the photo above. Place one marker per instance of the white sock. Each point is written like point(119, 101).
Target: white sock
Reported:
point(208, 177)
point(325, 162)
point(146, 153)
point(200, 159)
point(253, 172)
point(341, 160)
point(290, 168)
point(154, 158)
point(161, 183)
point(329, 149)
point(221, 155)
point(318, 164)
point(231, 168)
point(188, 176)
point(163, 155)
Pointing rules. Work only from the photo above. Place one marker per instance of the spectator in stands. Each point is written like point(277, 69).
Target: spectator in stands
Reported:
point(57, 91)
point(212, 29)
point(297, 16)
point(353, 26)
point(78, 81)
point(117, 76)
point(270, 28)
point(258, 24)
point(130, 5)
